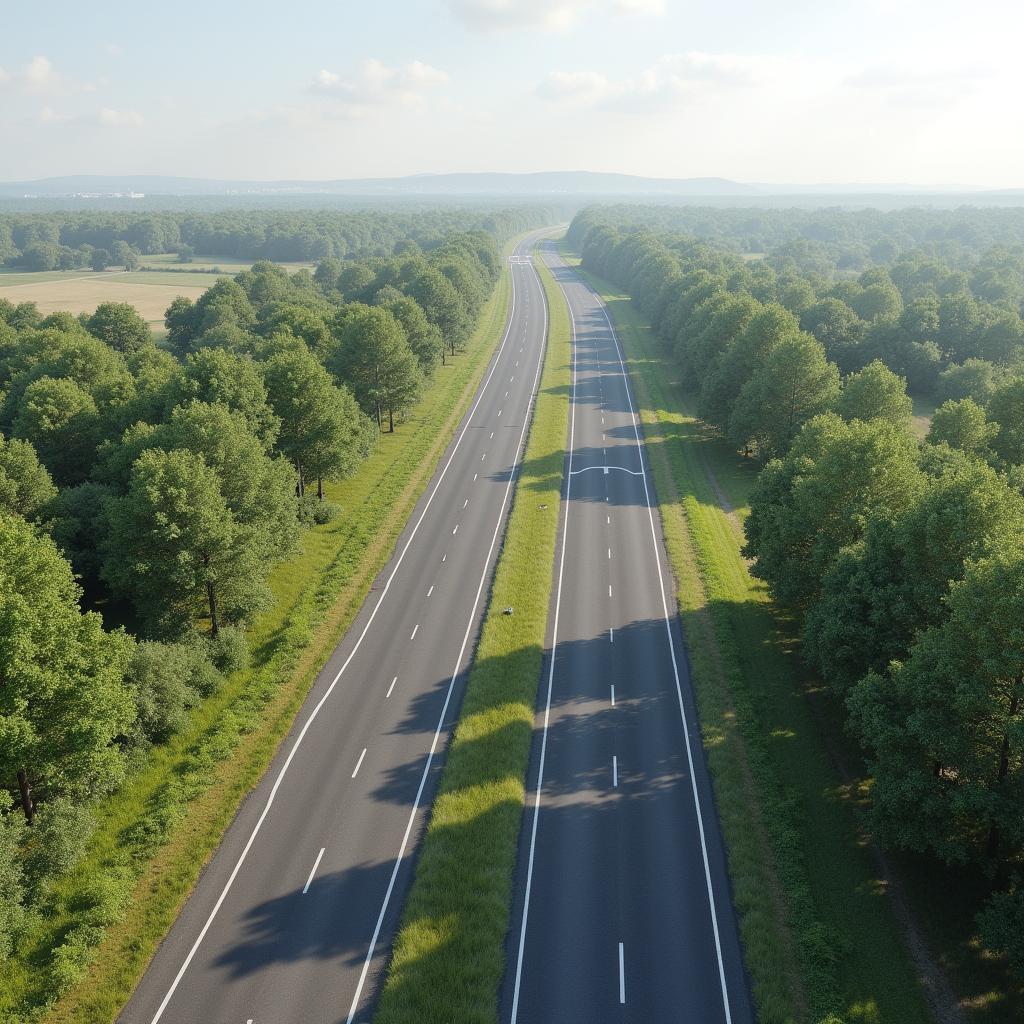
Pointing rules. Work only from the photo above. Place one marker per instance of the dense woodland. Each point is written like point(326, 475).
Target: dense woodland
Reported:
point(901, 560)
point(146, 492)
point(68, 240)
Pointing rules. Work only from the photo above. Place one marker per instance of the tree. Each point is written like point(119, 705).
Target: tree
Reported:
point(423, 337)
point(838, 328)
point(215, 376)
point(61, 421)
point(443, 306)
point(26, 488)
point(795, 383)
point(63, 702)
point(807, 507)
point(100, 259)
point(173, 542)
point(1007, 409)
point(767, 329)
point(375, 360)
point(323, 432)
point(882, 591)
point(945, 729)
point(876, 393)
point(120, 326)
point(963, 425)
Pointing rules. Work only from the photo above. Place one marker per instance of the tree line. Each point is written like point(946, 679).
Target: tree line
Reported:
point(67, 240)
point(901, 560)
point(146, 492)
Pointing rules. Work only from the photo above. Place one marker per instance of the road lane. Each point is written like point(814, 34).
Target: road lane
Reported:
point(622, 910)
point(354, 778)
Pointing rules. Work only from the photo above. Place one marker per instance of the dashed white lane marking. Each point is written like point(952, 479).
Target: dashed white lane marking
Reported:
point(190, 956)
point(484, 456)
point(609, 590)
point(622, 975)
point(465, 503)
point(611, 634)
point(359, 763)
point(456, 530)
point(615, 772)
point(506, 394)
point(613, 695)
point(309, 881)
point(391, 687)
point(609, 552)
point(609, 520)
point(492, 435)
point(444, 557)
point(499, 412)
point(415, 631)
point(431, 590)
point(475, 475)
point(400, 858)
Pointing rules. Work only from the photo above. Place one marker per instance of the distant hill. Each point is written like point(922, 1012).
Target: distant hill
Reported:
point(540, 184)
point(550, 184)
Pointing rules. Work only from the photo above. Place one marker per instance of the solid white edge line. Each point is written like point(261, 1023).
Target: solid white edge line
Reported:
point(451, 685)
point(551, 676)
point(316, 864)
point(622, 975)
point(330, 689)
point(675, 666)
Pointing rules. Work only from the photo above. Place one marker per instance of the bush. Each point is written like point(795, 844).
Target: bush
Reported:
point(168, 680)
point(229, 652)
point(55, 842)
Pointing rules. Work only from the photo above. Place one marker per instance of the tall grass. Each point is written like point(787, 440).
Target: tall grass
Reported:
point(449, 954)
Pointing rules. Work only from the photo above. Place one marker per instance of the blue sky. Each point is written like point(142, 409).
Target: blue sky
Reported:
point(829, 91)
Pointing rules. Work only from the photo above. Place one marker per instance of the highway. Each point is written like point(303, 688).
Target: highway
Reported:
point(292, 919)
point(622, 907)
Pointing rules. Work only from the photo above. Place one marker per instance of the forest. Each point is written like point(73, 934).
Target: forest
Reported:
point(68, 240)
point(900, 560)
point(147, 491)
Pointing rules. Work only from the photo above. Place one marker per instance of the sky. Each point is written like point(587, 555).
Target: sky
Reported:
point(795, 91)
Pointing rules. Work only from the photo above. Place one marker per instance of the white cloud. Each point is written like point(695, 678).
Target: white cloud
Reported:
point(39, 76)
point(376, 84)
point(672, 80)
point(105, 117)
point(546, 15)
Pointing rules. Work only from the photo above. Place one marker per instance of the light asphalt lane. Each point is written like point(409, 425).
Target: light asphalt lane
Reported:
point(622, 908)
point(291, 921)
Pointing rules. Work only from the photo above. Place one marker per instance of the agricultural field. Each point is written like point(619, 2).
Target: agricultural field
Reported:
point(149, 291)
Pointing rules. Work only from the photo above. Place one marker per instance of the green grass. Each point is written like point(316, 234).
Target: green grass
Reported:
point(924, 409)
point(819, 933)
point(109, 914)
point(229, 264)
point(449, 954)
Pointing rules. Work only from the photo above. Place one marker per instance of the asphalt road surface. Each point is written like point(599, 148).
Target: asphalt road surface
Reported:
point(622, 909)
point(292, 920)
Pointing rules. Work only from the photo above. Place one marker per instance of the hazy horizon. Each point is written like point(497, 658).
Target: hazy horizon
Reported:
point(794, 94)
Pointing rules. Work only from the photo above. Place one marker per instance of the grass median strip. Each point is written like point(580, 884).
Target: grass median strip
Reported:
point(449, 954)
point(109, 914)
point(820, 939)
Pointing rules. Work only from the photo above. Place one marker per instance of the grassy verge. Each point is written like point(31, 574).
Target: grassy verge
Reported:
point(449, 955)
point(107, 917)
point(819, 934)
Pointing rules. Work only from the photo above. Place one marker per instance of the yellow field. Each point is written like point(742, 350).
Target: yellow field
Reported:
point(82, 293)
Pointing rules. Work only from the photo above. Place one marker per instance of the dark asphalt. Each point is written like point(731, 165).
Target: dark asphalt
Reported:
point(358, 771)
point(623, 910)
